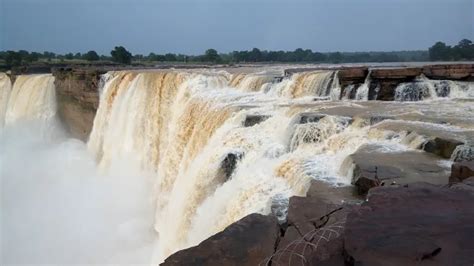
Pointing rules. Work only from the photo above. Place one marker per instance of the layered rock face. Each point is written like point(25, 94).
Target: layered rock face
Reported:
point(78, 98)
point(384, 80)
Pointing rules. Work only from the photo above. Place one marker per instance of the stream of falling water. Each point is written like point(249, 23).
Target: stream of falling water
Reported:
point(5, 90)
point(187, 134)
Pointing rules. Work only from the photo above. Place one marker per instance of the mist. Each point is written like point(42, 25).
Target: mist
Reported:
point(56, 207)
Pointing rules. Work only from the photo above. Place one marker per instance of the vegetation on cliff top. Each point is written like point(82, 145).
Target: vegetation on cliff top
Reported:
point(440, 51)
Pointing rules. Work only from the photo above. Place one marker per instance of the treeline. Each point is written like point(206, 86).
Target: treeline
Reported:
point(22, 57)
point(464, 50)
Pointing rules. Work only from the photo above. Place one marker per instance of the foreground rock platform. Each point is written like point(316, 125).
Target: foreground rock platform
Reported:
point(421, 224)
point(415, 224)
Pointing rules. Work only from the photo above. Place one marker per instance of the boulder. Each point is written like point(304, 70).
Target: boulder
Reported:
point(252, 120)
point(461, 171)
point(370, 166)
point(443, 147)
point(463, 153)
point(248, 241)
point(420, 224)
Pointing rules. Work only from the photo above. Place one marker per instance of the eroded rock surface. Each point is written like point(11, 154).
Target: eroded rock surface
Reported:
point(421, 224)
point(78, 98)
point(372, 168)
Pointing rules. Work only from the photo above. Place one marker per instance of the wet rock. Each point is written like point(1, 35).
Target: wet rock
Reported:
point(305, 118)
point(370, 167)
point(252, 120)
point(229, 164)
point(248, 241)
point(333, 194)
point(463, 153)
point(279, 208)
point(421, 224)
point(441, 146)
point(461, 171)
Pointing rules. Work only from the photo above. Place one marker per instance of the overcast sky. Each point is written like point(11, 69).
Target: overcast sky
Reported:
point(192, 26)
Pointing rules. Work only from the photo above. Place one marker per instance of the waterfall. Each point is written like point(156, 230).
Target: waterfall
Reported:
point(188, 133)
point(32, 97)
point(250, 82)
point(362, 93)
point(424, 89)
point(133, 118)
point(5, 90)
point(313, 83)
point(209, 170)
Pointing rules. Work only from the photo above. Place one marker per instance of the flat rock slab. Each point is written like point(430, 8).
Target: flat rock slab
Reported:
point(421, 224)
point(372, 167)
point(248, 241)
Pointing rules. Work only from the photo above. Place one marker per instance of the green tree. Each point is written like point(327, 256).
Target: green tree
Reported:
point(211, 55)
point(69, 56)
point(91, 56)
point(440, 51)
point(464, 50)
point(170, 57)
point(121, 55)
point(13, 58)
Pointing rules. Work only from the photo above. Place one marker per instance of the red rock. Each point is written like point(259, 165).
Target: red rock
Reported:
point(248, 241)
point(421, 224)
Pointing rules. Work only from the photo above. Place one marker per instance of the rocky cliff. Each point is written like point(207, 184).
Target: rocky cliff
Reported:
point(78, 98)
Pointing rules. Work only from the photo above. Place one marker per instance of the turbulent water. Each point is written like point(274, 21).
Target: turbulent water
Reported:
point(424, 88)
point(172, 159)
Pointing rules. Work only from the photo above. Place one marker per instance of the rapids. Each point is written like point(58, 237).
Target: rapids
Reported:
point(182, 135)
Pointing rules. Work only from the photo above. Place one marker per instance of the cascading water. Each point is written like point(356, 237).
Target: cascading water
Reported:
point(250, 82)
point(362, 93)
point(32, 97)
point(56, 208)
point(5, 90)
point(313, 84)
point(424, 89)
